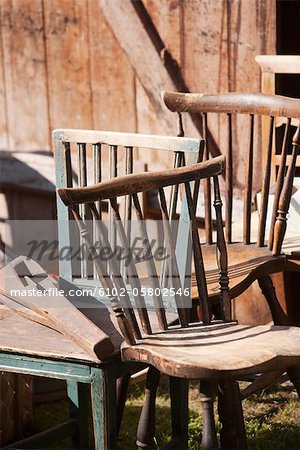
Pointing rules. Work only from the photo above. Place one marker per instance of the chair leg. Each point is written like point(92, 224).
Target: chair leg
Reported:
point(179, 390)
point(146, 426)
point(112, 409)
point(233, 433)
point(294, 376)
point(267, 288)
point(279, 318)
point(207, 396)
point(122, 390)
point(78, 394)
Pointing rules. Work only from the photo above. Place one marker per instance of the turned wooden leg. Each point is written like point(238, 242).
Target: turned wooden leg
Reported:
point(146, 426)
point(207, 396)
point(279, 318)
point(267, 288)
point(294, 376)
point(233, 433)
point(122, 390)
point(179, 391)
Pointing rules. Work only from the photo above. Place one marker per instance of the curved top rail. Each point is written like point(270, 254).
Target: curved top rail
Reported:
point(128, 139)
point(233, 102)
point(141, 182)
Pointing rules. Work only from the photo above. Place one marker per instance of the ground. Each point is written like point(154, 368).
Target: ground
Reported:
point(272, 418)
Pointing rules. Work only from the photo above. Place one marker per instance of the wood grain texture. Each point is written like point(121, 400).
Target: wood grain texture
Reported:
point(25, 74)
point(53, 311)
point(3, 107)
point(237, 350)
point(154, 77)
point(131, 184)
point(233, 102)
point(68, 62)
point(128, 139)
point(112, 78)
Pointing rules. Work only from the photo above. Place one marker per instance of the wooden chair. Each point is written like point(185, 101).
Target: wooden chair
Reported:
point(250, 260)
point(211, 350)
point(84, 157)
point(249, 256)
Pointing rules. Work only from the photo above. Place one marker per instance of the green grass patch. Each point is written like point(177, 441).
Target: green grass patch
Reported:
point(272, 418)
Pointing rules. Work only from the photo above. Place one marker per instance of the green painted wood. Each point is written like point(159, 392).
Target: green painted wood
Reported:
point(63, 370)
point(78, 394)
point(65, 268)
point(98, 397)
point(184, 241)
point(111, 402)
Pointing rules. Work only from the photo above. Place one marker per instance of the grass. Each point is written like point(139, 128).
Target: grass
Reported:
point(272, 418)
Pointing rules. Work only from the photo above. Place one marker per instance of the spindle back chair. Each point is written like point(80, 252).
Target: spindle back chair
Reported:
point(208, 350)
point(282, 111)
point(84, 157)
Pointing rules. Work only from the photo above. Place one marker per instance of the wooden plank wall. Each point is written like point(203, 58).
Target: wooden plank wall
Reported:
point(61, 66)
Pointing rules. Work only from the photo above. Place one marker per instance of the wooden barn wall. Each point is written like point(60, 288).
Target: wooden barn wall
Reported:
point(61, 66)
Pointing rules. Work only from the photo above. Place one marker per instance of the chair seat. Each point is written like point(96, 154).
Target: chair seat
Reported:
point(221, 351)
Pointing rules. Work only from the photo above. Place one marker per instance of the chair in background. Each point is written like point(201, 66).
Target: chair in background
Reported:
point(250, 260)
point(84, 157)
point(210, 350)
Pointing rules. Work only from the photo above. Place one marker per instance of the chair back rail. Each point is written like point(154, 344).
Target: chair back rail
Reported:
point(85, 157)
point(254, 105)
point(132, 185)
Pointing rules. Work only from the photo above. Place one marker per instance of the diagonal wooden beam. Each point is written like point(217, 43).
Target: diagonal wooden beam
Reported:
point(149, 58)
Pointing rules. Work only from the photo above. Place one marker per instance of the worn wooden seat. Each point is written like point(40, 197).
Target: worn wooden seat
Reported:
point(219, 352)
point(211, 349)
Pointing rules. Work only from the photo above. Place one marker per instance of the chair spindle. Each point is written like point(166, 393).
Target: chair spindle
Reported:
point(151, 269)
point(132, 274)
point(222, 255)
point(285, 197)
point(82, 181)
point(207, 187)
point(265, 189)
point(175, 277)
point(229, 183)
point(125, 316)
point(280, 179)
point(198, 258)
point(248, 189)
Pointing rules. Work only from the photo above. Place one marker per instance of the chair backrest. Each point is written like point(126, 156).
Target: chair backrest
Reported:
point(84, 157)
point(123, 289)
point(284, 110)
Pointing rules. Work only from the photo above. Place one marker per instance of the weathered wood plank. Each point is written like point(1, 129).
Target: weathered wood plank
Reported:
point(112, 79)
point(25, 74)
point(68, 63)
point(219, 56)
point(3, 110)
point(140, 50)
point(52, 310)
point(166, 18)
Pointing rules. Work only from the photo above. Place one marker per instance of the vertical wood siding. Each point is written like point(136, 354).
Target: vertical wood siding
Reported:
point(61, 66)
